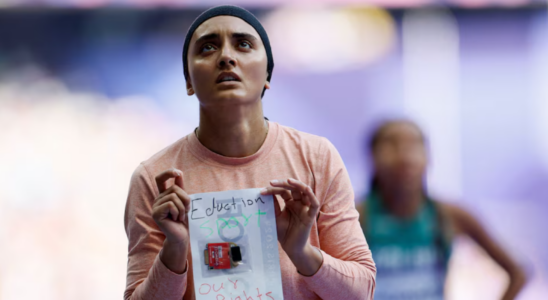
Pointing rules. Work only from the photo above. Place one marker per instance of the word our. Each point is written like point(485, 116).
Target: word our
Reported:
point(208, 289)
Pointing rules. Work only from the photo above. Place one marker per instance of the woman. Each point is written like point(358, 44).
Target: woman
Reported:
point(409, 233)
point(323, 254)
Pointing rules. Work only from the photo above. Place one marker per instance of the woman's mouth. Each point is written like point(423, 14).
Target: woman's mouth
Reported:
point(228, 77)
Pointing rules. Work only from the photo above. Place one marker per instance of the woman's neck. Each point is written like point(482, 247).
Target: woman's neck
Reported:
point(237, 131)
point(401, 202)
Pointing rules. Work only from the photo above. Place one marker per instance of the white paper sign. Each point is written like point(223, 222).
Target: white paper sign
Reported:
point(243, 218)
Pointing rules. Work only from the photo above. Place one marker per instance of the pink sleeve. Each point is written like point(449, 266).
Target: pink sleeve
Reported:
point(348, 270)
point(147, 277)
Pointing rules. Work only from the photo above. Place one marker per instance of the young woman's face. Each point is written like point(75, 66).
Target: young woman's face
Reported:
point(227, 62)
point(399, 155)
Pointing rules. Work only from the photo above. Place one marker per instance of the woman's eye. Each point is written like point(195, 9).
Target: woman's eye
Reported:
point(245, 44)
point(207, 48)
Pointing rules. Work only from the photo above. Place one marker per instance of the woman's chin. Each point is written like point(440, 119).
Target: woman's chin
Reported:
point(232, 96)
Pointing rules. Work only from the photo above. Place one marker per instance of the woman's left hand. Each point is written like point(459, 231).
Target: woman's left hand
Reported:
point(295, 222)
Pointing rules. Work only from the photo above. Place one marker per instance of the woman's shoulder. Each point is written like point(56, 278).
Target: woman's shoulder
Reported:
point(458, 216)
point(305, 141)
point(301, 136)
point(166, 156)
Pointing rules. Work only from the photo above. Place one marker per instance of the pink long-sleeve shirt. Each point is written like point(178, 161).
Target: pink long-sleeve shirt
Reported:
point(347, 271)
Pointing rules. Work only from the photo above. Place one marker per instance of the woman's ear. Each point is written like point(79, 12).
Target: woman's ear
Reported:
point(189, 89)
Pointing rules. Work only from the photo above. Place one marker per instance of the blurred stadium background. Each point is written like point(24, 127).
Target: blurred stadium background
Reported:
point(93, 87)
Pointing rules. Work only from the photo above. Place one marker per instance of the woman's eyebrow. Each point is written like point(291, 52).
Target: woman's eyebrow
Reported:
point(245, 36)
point(207, 37)
point(216, 36)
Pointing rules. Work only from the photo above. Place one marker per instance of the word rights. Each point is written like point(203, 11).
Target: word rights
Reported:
point(246, 218)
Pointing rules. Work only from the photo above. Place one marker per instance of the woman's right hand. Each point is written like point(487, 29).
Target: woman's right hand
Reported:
point(170, 208)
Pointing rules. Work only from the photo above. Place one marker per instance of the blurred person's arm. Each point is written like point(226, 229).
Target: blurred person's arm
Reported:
point(348, 270)
point(467, 224)
point(157, 267)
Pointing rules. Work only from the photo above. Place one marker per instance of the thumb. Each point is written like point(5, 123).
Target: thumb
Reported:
point(179, 179)
point(277, 207)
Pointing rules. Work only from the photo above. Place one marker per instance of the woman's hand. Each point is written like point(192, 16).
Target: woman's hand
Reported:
point(295, 222)
point(169, 212)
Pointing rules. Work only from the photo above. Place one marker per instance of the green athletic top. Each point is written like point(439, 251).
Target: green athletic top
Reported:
point(411, 255)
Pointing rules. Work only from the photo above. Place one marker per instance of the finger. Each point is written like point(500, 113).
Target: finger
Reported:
point(182, 194)
point(284, 193)
point(185, 198)
point(163, 211)
point(297, 190)
point(310, 196)
point(284, 184)
point(176, 201)
point(277, 206)
point(162, 178)
point(179, 180)
point(303, 188)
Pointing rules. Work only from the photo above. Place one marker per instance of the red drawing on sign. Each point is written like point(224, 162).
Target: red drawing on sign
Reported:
point(200, 289)
point(218, 289)
point(246, 297)
point(234, 282)
point(206, 289)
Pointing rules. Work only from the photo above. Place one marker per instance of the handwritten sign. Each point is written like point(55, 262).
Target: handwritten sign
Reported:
point(242, 218)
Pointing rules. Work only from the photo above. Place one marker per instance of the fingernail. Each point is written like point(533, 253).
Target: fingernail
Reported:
point(263, 191)
point(274, 181)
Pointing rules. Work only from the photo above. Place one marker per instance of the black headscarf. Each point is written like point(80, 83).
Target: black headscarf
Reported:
point(235, 11)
